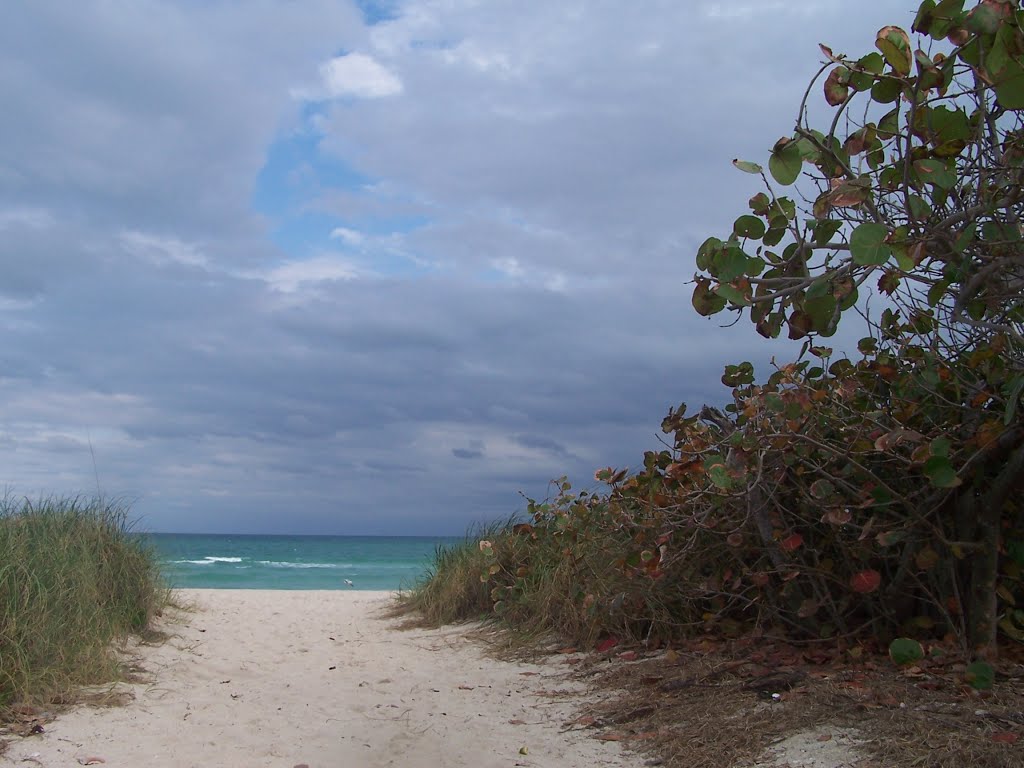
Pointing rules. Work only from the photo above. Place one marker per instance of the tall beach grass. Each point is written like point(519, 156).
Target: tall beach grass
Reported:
point(74, 581)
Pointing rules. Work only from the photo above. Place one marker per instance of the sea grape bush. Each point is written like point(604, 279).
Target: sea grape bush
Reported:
point(918, 190)
point(874, 494)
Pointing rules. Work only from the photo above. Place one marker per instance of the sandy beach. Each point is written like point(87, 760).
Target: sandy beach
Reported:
point(321, 679)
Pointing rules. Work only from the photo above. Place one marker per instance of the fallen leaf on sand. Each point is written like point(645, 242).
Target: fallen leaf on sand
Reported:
point(93, 760)
point(825, 737)
point(524, 751)
point(517, 722)
point(611, 736)
point(466, 687)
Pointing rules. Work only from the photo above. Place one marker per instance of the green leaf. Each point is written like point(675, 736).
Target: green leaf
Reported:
point(946, 12)
point(749, 226)
point(1010, 88)
point(904, 650)
point(983, 19)
point(729, 263)
point(965, 238)
point(980, 675)
point(822, 489)
point(748, 167)
point(889, 124)
point(825, 229)
point(820, 311)
point(925, 17)
point(894, 44)
point(886, 90)
point(733, 294)
point(706, 253)
point(774, 236)
point(935, 172)
point(785, 162)
point(941, 473)
point(867, 244)
point(1013, 389)
point(714, 465)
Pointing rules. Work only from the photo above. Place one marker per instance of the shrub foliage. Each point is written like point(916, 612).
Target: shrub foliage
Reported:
point(847, 495)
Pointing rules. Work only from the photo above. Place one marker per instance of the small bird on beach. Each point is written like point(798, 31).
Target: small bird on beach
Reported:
point(348, 582)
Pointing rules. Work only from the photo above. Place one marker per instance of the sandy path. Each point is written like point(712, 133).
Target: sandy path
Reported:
point(277, 678)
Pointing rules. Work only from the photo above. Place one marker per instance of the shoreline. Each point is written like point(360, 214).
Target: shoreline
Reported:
point(319, 678)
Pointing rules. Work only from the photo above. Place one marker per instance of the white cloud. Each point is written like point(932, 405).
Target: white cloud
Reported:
point(162, 250)
point(27, 218)
point(348, 236)
point(293, 275)
point(356, 74)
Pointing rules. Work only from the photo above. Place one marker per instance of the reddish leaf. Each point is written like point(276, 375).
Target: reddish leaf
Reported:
point(865, 581)
point(791, 543)
point(607, 644)
point(837, 86)
point(1006, 737)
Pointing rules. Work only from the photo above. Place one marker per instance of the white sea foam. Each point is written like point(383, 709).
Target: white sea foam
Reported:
point(285, 564)
point(210, 560)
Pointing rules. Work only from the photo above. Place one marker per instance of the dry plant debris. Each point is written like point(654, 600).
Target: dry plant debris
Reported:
point(708, 706)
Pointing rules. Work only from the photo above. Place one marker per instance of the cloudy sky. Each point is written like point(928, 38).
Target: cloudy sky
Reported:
point(325, 266)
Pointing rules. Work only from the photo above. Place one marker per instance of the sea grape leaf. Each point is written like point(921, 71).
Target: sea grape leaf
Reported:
point(867, 244)
point(894, 44)
point(940, 472)
point(904, 650)
point(785, 161)
point(865, 581)
point(980, 675)
point(749, 226)
point(748, 167)
point(837, 87)
point(1010, 88)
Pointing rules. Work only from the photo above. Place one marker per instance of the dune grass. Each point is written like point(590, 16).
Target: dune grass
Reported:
point(74, 580)
point(525, 580)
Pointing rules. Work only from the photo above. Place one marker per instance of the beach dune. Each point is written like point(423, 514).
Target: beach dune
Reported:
point(321, 679)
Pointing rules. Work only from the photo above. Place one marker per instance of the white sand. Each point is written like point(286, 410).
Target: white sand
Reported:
point(279, 678)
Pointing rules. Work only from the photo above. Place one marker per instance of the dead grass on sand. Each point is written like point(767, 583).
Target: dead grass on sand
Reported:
point(713, 710)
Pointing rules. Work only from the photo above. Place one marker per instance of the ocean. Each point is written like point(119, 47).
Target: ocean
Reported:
point(294, 562)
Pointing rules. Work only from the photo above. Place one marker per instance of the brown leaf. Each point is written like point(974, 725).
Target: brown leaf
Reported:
point(1006, 737)
point(837, 516)
point(825, 737)
point(517, 722)
point(92, 760)
point(610, 736)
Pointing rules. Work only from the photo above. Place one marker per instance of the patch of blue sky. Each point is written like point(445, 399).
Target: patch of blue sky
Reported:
point(296, 172)
point(377, 11)
point(295, 176)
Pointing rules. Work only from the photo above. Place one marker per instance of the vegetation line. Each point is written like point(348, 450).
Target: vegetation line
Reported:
point(74, 580)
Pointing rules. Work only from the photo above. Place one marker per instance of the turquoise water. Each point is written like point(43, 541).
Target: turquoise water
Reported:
point(294, 562)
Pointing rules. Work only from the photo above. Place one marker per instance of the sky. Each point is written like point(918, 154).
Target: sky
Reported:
point(376, 267)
